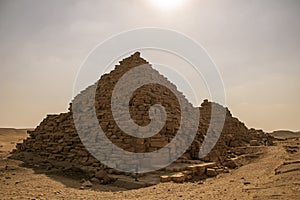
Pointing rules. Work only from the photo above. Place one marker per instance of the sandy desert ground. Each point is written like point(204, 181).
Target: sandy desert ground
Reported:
point(275, 174)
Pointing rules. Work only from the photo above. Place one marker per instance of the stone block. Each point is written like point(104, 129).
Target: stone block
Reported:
point(165, 178)
point(178, 178)
point(254, 143)
point(211, 172)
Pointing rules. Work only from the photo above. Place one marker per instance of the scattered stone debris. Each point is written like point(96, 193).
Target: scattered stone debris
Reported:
point(87, 184)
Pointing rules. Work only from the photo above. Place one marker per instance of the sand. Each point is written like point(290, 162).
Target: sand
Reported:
point(275, 174)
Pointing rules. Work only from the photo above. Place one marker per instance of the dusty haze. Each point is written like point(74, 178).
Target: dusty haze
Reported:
point(255, 44)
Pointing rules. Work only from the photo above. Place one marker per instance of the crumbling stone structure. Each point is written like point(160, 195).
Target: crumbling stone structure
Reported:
point(56, 138)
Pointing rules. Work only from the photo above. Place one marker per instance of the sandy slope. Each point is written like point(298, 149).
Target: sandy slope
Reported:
point(275, 175)
point(10, 136)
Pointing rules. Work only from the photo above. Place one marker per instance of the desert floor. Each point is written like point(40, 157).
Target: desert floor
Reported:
point(274, 175)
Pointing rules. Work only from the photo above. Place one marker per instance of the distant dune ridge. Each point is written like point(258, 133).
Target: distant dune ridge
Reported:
point(9, 135)
point(13, 131)
point(285, 134)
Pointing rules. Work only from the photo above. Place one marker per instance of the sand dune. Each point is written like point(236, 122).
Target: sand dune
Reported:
point(285, 134)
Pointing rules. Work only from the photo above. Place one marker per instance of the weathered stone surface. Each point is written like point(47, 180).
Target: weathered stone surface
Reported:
point(254, 143)
point(199, 169)
point(165, 178)
point(87, 184)
point(101, 175)
point(56, 138)
point(211, 172)
point(231, 164)
point(178, 178)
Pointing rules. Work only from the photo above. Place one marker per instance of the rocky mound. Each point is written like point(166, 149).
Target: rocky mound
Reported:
point(57, 141)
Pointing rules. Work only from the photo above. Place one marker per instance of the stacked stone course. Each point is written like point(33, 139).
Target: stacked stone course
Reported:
point(56, 137)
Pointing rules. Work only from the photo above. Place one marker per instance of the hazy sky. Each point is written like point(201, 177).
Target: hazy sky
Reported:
point(255, 44)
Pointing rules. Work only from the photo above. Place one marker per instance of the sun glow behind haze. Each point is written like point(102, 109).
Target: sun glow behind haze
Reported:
point(255, 44)
point(166, 5)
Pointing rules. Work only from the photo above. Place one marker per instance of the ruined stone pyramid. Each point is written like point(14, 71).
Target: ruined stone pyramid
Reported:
point(56, 138)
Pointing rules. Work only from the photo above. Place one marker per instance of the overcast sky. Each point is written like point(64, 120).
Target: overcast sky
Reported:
point(255, 44)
